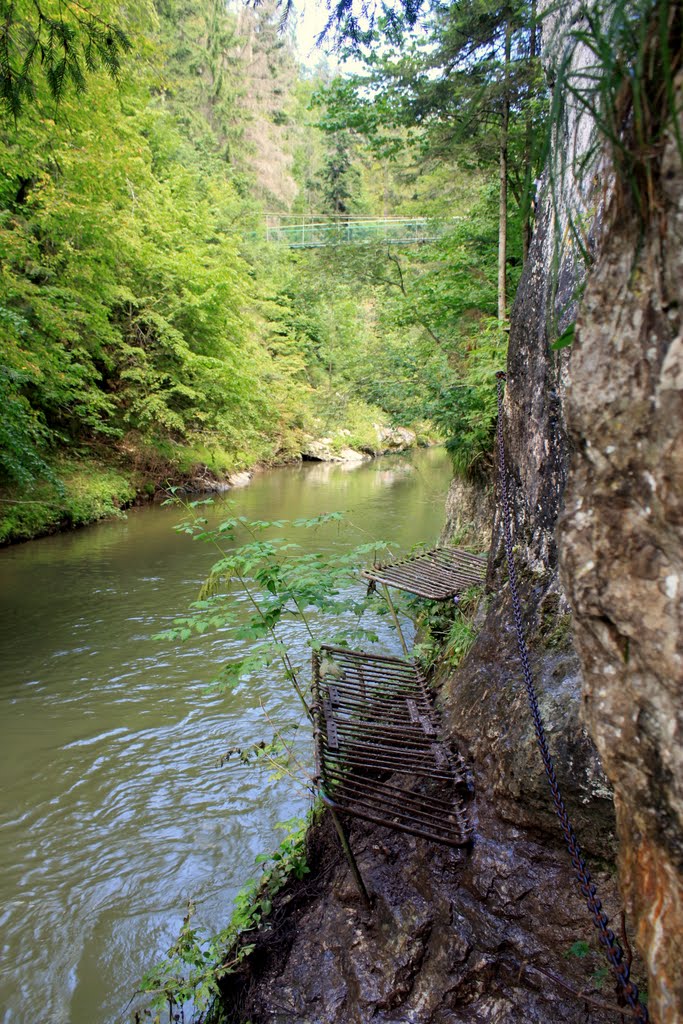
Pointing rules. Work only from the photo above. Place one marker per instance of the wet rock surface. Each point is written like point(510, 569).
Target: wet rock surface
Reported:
point(453, 937)
point(469, 511)
point(485, 711)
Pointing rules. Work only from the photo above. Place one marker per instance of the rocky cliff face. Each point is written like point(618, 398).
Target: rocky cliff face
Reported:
point(622, 553)
point(469, 510)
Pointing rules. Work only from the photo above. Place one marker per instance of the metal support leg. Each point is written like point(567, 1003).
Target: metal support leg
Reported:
point(394, 616)
point(348, 853)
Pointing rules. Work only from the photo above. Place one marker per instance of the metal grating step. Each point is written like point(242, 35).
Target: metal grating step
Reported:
point(373, 722)
point(438, 574)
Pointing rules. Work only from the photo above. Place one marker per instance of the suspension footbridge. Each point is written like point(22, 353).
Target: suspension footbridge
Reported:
point(312, 232)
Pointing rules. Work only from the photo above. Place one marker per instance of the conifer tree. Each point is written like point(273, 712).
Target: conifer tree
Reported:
point(58, 43)
point(462, 79)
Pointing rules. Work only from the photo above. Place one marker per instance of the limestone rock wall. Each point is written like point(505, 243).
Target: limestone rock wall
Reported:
point(622, 554)
point(469, 511)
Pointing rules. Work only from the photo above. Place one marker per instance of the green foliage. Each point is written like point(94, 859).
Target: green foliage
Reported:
point(340, 179)
point(348, 339)
point(191, 973)
point(57, 42)
point(618, 66)
point(23, 436)
point(132, 311)
point(467, 412)
point(446, 631)
point(126, 304)
point(134, 314)
point(399, 329)
point(441, 83)
point(579, 949)
point(407, 331)
point(131, 289)
point(281, 583)
point(600, 976)
point(565, 339)
point(71, 494)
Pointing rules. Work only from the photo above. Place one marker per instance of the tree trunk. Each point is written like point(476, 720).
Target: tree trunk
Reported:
point(503, 209)
point(527, 197)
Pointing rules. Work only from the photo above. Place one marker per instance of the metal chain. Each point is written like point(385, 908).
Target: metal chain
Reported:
point(608, 940)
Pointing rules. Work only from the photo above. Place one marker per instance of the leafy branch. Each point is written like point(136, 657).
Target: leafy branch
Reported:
point(280, 582)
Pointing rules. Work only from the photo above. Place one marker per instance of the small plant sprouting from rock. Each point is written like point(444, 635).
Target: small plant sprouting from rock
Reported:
point(579, 949)
point(187, 981)
point(560, 636)
point(447, 631)
point(618, 68)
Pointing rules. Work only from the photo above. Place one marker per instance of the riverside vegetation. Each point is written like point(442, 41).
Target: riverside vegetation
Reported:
point(149, 334)
point(282, 584)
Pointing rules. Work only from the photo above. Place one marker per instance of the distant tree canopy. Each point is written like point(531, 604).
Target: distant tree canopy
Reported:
point(140, 315)
point(460, 81)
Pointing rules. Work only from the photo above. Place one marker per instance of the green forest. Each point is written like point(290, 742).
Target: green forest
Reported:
point(153, 334)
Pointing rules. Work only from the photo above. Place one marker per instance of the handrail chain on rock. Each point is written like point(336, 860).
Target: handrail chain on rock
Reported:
point(608, 939)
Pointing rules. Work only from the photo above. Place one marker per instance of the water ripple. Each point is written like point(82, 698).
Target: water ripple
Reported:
point(115, 810)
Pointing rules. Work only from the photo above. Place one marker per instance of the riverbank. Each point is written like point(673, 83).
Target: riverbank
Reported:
point(102, 482)
point(113, 742)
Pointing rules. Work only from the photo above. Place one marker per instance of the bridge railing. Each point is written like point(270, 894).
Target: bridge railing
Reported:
point(311, 232)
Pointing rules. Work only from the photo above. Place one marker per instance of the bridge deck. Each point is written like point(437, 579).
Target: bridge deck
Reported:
point(306, 232)
point(438, 574)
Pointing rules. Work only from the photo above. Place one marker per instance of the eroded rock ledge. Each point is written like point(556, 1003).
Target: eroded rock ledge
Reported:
point(452, 937)
point(456, 936)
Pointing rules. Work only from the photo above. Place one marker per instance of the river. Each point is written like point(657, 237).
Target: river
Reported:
point(114, 809)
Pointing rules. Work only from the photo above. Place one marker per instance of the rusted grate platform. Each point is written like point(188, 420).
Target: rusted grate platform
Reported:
point(438, 574)
point(373, 720)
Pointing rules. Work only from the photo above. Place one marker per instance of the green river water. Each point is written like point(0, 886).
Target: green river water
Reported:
point(114, 810)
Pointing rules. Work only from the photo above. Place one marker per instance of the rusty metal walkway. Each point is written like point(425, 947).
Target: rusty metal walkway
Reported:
point(439, 574)
point(374, 721)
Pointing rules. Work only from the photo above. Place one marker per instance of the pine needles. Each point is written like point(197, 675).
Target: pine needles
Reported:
point(64, 45)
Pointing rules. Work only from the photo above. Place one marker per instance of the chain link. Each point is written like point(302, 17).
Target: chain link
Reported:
point(608, 939)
